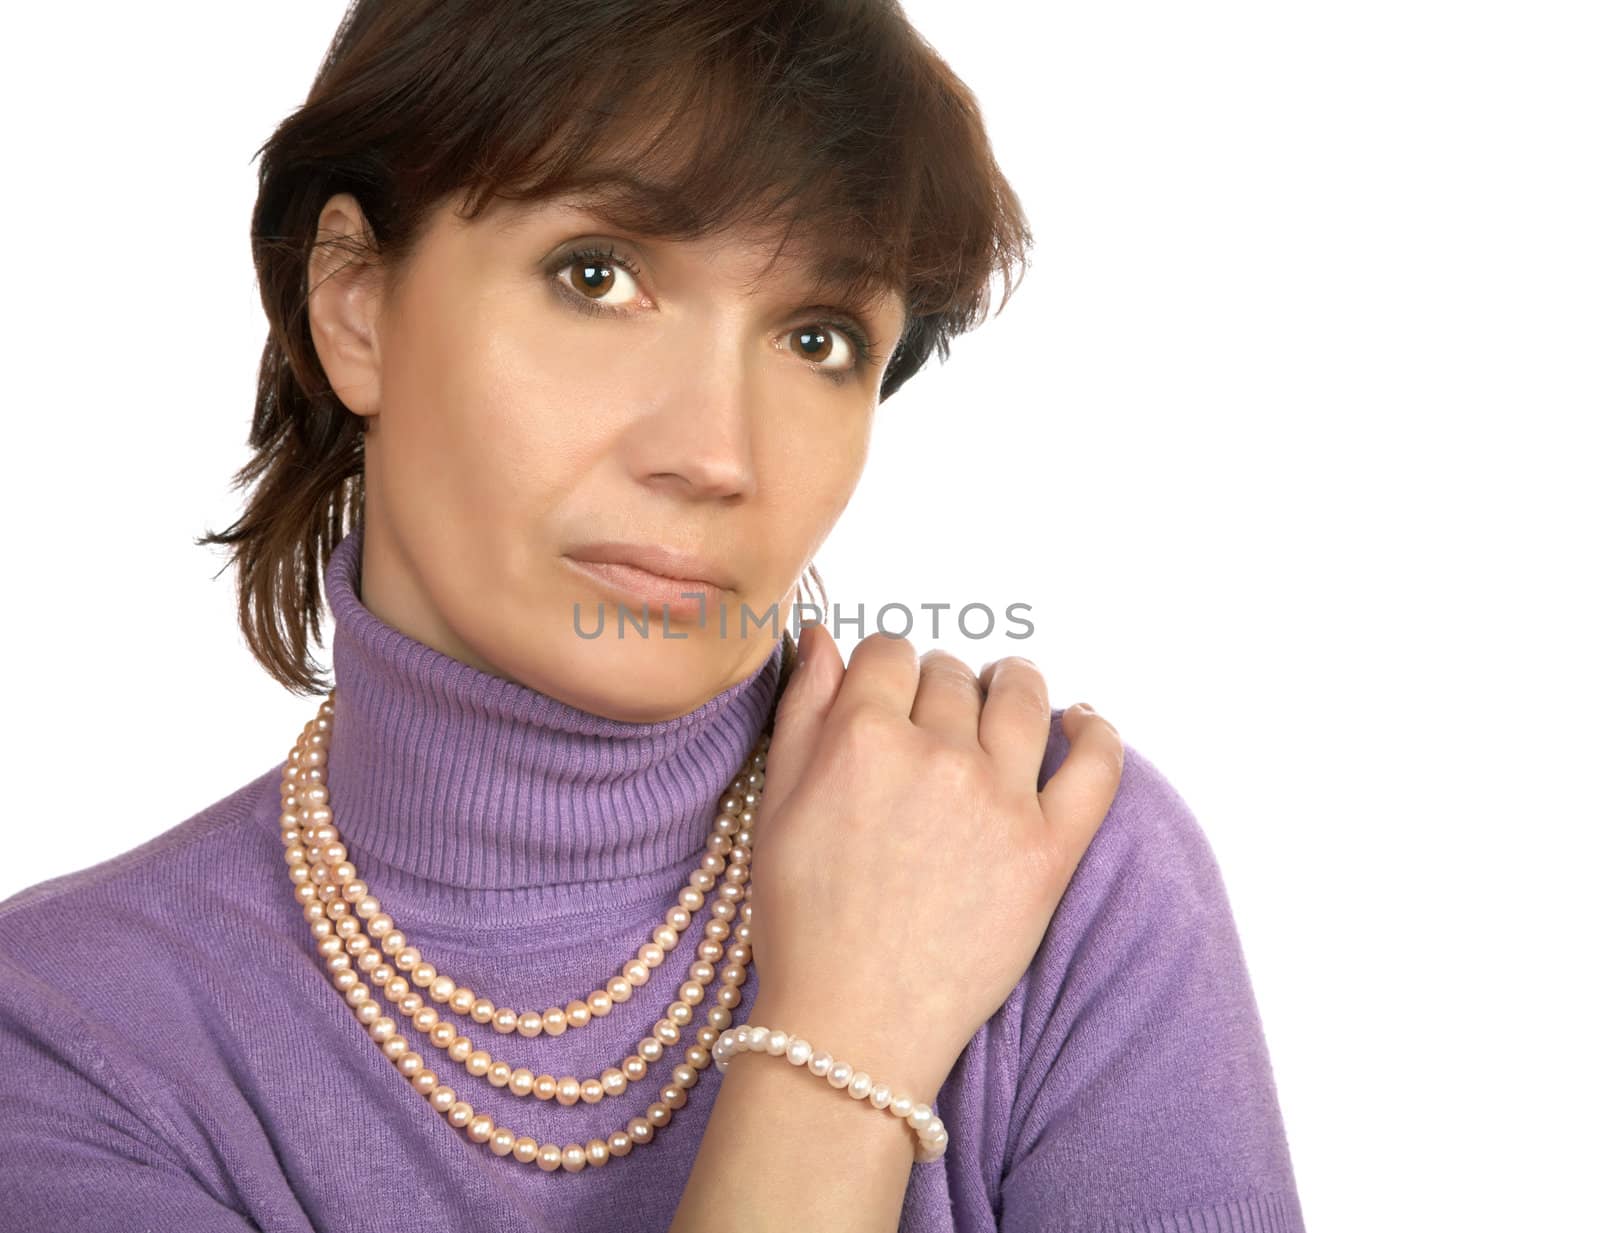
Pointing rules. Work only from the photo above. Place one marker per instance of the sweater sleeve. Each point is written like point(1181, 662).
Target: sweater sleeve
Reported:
point(80, 1149)
point(1145, 1099)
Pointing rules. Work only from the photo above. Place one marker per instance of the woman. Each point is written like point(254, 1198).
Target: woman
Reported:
point(579, 311)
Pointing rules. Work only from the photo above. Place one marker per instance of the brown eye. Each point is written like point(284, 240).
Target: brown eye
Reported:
point(592, 278)
point(593, 274)
point(815, 342)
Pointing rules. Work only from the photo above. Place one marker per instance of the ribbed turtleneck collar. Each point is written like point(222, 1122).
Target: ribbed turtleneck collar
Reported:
point(455, 778)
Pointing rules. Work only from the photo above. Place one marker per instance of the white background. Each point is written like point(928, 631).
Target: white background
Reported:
point(1288, 436)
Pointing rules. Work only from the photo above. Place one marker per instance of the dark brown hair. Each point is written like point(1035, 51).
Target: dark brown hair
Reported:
point(830, 121)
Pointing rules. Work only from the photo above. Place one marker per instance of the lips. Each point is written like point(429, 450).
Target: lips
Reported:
point(653, 562)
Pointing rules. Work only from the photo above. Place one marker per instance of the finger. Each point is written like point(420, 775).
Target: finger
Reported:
point(807, 699)
point(948, 698)
point(1077, 796)
point(883, 674)
point(1015, 724)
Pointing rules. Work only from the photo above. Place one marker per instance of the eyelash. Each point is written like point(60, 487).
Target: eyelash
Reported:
point(866, 355)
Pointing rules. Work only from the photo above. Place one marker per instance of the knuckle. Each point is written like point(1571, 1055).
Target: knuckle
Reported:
point(868, 731)
point(944, 668)
point(878, 640)
point(1019, 673)
point(956, 771)
point(1106, 760)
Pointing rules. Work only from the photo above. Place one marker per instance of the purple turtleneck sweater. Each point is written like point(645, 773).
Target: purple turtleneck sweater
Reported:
point(175, 1057)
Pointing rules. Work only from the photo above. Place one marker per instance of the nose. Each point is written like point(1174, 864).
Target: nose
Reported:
point(697, 441)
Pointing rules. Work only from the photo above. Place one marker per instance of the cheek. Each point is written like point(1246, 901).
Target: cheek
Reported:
point(476, 422)
point(813, 480)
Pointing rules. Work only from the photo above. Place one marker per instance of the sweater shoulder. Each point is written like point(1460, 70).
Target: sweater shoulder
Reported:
point(158, 864)
point(1149, 878)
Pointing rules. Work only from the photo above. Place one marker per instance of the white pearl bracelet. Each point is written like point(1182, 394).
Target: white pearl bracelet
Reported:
point(932, 1137)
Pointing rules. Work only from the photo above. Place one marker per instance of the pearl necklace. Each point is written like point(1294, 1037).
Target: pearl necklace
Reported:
point(354, 936)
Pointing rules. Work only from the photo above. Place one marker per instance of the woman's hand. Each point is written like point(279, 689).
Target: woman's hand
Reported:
point(905, 864)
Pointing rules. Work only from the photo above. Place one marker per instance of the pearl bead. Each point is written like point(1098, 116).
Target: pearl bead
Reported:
point(354, 936)
point(880, 1096)
point(819, 1062)
point(900, 1106)
point(799, 1052)
point(860, 1085)
point(919, 1117)
point(840, 1074)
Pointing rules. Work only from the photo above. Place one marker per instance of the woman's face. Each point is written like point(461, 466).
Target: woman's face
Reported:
point(525, 400)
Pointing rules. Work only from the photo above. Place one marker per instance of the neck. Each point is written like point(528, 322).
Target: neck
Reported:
point(452, 784)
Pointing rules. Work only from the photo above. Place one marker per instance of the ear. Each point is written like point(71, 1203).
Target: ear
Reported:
point(344, 304)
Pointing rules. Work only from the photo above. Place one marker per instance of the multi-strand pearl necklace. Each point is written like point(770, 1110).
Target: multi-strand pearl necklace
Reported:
point(355, 936)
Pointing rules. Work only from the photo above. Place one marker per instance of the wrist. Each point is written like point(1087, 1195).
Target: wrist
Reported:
point(774, 1044)
point(889, 1050)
